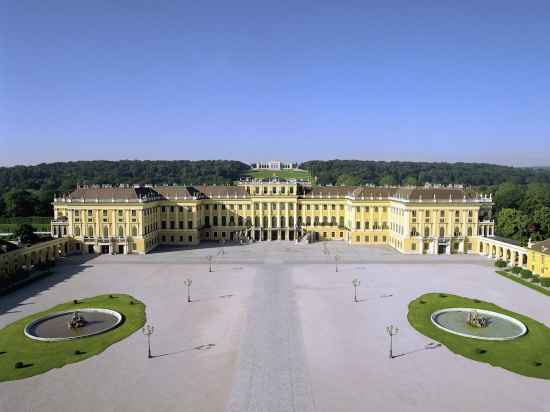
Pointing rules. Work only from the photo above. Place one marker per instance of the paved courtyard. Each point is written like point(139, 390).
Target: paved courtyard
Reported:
point(283, 332)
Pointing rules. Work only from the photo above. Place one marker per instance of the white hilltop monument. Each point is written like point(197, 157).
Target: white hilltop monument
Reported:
point(275, 165)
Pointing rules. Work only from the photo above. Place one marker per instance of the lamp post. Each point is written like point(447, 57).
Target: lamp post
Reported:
point(148, 331)
point(392, 331)
point(356, 283)
point(188, 283)
point(210, 263)
point(336, 260)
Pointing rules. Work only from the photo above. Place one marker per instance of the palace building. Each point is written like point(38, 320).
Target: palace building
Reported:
point(136, 219)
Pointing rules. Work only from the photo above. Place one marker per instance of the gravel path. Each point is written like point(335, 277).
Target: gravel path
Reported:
point(271, 371)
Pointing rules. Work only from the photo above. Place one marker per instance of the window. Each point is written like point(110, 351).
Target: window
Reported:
point(172, 211)
point(358, 238)
point(163, 209)
point(441, 232)
point(172, 224)
point(215, 220)
point(133, 213)
point(77, 231)
point(357, 225)
point(134, 231)
point(426, 231)
point(120, 231)
point(469, 231)
point(413, 246)
point(181, 224)
point(163, 224)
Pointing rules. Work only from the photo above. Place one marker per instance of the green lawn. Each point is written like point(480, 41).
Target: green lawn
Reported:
point(527, 355)
point(39, 357)
point(524, 282)
point(282, 174)
point(12, 227)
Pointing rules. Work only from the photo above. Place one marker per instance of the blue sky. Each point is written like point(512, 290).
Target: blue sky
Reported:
point(292, 80)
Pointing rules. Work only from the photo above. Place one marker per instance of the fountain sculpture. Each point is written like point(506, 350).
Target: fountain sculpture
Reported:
point(77, 321)
point(473, 318)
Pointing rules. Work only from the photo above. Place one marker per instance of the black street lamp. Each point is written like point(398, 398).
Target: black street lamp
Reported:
point(356, 283)
point(210, 263)
point(148, 331)
point(392, 331)
point(188, 283)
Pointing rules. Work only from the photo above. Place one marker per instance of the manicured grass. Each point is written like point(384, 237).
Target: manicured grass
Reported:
point(524, 282)
point(527, 355)
point(12, 227)
point(38, 357)
point(282, 174)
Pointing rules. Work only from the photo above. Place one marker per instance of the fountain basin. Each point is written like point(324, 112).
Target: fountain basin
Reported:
point(54, 326)
point(500, 327)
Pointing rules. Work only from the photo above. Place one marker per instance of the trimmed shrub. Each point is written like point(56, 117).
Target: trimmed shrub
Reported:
point(500, 263)
point(526, 273)
point(516, 270)
point(535, 279)
point(545, 281)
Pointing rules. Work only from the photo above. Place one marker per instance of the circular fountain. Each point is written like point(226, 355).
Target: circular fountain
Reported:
point(72, 324)
point(478, 324)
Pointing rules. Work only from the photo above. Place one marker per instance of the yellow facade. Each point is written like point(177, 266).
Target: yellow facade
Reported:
point(125, 219)
point(26, 258)
point(539, 258)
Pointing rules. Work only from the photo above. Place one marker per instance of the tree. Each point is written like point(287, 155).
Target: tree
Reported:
point(541, 218)
point(387, 180)
point(25, 233)
point(512, 223)
point(508, 196)
point(410, 181)
point(348, 180)
point(20, 203)
point(536, 196)
point(44, 205)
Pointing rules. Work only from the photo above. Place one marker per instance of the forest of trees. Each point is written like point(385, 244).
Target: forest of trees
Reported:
point(522, 195)
point(356, 172)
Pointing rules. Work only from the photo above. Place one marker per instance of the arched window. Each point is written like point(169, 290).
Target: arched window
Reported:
point(120, 231)
point(316, 221)
point(273, 221)
point(91, 231)
point(134, 231)
point(77, 231)
point(265, 222)
point(413, 231)
point(257, 221)
point(441, 231)
point(457, 231)
point(308, 221)
point(469, 231)
point(291, 221)
point(282, 221)
point(105, 231)
point(426, 231)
